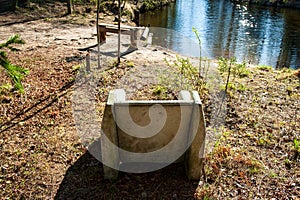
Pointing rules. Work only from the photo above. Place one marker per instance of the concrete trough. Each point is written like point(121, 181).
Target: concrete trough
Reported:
point(155, 133)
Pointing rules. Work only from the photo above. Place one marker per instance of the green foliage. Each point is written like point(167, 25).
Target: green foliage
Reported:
point(237, 69)
point(188, 75)
point(265, 68)
point(182, 75)
point(159, 89)
point(230, 86)
point(286, 70)
point(230, 67)
point(253, 169)
point(297, 145)
point(242, 88)
point(76, 68)
point(272, 174)
point(129, 64)
point(296, 149)
point(5, 88)
point(16, 73)
point(12, 40)
point(186, 69)
point(151, 5)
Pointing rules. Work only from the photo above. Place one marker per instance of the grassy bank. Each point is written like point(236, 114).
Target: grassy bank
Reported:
point(255, 156)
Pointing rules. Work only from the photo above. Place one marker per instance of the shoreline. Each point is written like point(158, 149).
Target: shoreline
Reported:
point(275, 4)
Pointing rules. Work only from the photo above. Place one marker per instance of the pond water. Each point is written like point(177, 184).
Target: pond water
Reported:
point(259, 35)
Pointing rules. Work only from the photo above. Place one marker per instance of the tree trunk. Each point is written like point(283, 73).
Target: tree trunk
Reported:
point(22, 3)
point(98, 34)
point(7, 5)
point(69, 4)
point(119, 31)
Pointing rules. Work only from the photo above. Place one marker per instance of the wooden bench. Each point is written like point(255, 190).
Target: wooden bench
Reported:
point(127, 30)
point(153, 132)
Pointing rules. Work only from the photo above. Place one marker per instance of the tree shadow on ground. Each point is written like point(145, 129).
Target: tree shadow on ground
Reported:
point(85, 180)
point(33, 11)
point(36, 108)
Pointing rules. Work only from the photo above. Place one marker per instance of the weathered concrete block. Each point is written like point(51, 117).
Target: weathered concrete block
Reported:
point(153, 132)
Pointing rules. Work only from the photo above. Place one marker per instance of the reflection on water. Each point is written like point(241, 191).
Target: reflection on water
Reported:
point(265, 36)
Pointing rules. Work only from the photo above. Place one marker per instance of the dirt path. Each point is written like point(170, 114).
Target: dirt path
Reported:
point(42, 34)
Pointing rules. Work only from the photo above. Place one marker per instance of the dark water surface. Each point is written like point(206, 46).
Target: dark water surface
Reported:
point(259, 35)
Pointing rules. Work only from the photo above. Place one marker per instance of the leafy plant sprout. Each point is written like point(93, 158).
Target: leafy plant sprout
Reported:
point(16, 73)
point(296, 149)
point(200, 52)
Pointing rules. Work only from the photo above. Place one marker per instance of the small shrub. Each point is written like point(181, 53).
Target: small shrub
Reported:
point(230, 67)
point(76, 68)
point(242, 88)
point(297, 145)
point(230, 86)
point(182, 75)
point(237, 69)
point(5, 88)
point(158, 90)
point(296, 149)
point(149, 5)
point(129, 64)
point(265, 68)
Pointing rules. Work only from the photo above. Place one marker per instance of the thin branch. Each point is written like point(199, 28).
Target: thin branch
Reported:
point(98, 34)
point(228, 76)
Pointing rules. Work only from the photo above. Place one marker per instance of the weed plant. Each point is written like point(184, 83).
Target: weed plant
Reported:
point(231, 68)
point(182, 75)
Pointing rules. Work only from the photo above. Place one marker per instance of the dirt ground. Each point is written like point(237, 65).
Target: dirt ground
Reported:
point(42, 156)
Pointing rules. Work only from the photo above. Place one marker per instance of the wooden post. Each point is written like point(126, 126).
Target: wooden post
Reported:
point(88, 61)
point(102, 30)
point(145, 33)
point(149, 39)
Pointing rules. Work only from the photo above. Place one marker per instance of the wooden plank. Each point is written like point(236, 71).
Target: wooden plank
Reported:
point(122, 26)
point(88, 62)
point(113, 30)
point(125, 30)
point(149, 39)
point(103, 29)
